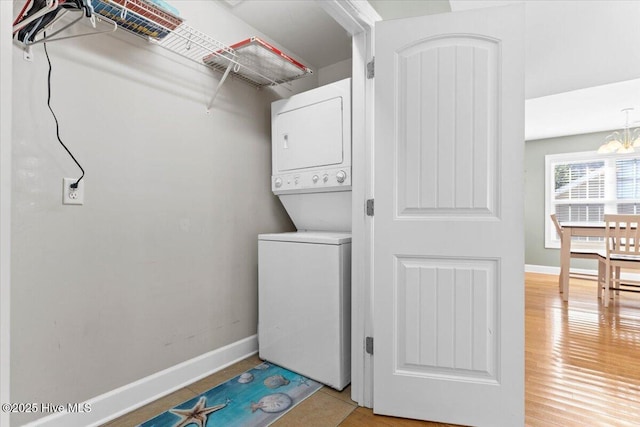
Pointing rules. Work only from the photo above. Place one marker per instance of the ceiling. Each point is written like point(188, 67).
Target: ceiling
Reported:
point(302, 28)
point(394, 9)
point(582, 64)
point(593, 109)
point(582, 57)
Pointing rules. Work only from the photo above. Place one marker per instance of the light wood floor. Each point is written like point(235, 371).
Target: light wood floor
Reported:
point(582, 368)
point(582, 360)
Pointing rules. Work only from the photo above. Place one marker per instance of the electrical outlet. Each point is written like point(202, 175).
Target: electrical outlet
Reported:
point(72, 196)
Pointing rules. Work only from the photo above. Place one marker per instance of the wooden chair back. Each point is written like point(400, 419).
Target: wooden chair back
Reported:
point(622, 234)
point(554, 219)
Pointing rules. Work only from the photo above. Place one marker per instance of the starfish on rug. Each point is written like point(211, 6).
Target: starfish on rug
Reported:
point(197, 415)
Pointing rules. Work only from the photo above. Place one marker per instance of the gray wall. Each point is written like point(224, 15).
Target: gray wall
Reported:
point(333, 73)
point(160, 264)
point(535, 252)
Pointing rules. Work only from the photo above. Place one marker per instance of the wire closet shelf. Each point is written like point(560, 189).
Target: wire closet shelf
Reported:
point(257, 64)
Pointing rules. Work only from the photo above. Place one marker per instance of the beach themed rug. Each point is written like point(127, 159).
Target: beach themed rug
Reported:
point(254, 398)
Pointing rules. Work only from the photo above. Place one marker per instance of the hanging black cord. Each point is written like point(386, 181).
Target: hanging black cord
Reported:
point(75, 185)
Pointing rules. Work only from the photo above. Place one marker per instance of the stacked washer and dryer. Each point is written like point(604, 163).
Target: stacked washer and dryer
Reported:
point(304, 297)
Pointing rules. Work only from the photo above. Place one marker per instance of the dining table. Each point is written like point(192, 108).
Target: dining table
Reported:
point(569, 230)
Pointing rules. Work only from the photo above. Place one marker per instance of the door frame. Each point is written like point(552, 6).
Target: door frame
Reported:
point(358, 18)
point(6, 56)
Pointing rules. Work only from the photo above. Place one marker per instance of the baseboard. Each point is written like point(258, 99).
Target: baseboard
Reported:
point(543, 269)
point(127, 398)
point(547, 269)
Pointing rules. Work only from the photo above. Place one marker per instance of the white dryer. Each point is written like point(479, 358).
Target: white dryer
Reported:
point(311, 157)
point(304, 298)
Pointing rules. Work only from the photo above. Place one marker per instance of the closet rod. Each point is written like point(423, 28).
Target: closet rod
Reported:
point(49, 7)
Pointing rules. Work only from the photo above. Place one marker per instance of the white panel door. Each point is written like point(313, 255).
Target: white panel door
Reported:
point(449, 233)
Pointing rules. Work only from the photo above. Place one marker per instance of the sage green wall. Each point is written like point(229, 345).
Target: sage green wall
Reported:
point(535, 252)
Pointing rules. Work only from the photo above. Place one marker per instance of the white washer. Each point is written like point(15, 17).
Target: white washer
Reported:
point(304, 314)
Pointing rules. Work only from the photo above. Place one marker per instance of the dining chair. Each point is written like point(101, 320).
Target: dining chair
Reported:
point(576, 253)
point(622, 239)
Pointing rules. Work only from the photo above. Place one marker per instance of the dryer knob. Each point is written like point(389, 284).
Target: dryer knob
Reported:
point(315, 178)
point(278, 182)
point(341, 176)
point(325, 178)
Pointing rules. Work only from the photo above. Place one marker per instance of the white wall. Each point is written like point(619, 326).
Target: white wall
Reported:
point(334, 72)
point(160, 264)
point(5, 201)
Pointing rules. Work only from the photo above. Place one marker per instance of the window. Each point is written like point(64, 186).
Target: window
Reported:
point(582, 187)
point(628, 185)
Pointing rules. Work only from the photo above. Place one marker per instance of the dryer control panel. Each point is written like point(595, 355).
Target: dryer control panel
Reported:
point(332, 179)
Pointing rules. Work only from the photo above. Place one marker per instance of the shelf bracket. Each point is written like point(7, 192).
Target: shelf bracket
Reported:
point(215, 93)
point(51, 38)
point(28, 54)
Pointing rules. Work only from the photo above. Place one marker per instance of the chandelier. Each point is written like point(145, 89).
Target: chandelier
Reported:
point(624, 141)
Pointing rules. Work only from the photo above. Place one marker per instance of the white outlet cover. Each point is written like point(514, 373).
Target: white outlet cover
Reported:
point(72, 197)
